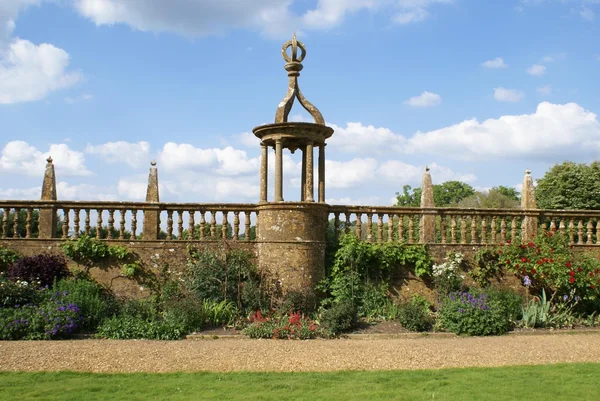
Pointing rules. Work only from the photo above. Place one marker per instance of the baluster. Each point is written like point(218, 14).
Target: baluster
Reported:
point(236, 226)
point(580, 233)
point(544, 229)
point(453, 229)
point(28, 227)
point(411, 229)
point(5, 222)
point(358, 225)
point(552, 225)
point(180, 225)
point(493, 229)
point(122, 224)
point(503, 230)
point(169, 225)
point(133, 224)
point(86, 224)
point(443, 227)
point(400, 228)
point(224, 225)
point(380, 228)
point(473, 229)
point(348, 224)
point(513, 233)
point(99, 225)
point(369, 227)
point(191, 225)
point(75, 223)
point(213, 224)
point(16, 223)
point(561, 227)
point(247, 227)
point(111, 223)
point(597, 231)
point(390, 227)
point(483, 230)
point(571, 232)
point(463, 230)
point(65, 224)
point(590, 229)
point(336, 224)
point(202, 224)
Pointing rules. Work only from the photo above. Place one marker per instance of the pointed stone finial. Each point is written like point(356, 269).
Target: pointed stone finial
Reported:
point(427, 226)
point(293, 66)
point(152, 192)
point(528, 192)
point(426, 168)
point(49, 184)
point(427, 189)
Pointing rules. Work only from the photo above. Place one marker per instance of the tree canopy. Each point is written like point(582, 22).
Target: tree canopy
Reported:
point(496, 198)
point(448, 193)
point(570, 186)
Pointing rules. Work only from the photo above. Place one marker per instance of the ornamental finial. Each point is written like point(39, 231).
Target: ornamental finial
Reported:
point(293, 66)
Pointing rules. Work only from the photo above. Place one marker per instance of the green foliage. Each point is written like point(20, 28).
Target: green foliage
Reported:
point(486, 266)
point(224, 277)
point(7, 257)
point(40, 269)
point(476, 314)
point(414, 315)
point(133, 327)
point(570, 186)
point(18, 292)
point(447, 277)
point(495, 198)
point(544, 312)
point(95, 302)
point(219, 313)
point(85, 250)
point(448, 193)
point(340, 317)
point(549, 263)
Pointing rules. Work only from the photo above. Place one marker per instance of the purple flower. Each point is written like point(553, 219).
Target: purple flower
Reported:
point(526, 281)
point(565, 298)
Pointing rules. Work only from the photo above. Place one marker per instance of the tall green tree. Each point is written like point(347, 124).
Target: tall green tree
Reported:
point(495, 198)
point(448, 193)
point(570, 186)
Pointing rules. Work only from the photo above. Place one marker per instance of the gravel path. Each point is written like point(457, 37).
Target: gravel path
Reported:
point(284, 355)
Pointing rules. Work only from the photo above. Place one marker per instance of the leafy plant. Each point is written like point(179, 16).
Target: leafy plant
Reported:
point(43, 269)
point(415, 315)
point(133, 327)
point(446, 275)
point(340, 317)
point(544, 312)
point(292, 325)
point(7, 257)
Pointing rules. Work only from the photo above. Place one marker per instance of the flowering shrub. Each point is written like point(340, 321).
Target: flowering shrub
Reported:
point(446, 276)
point(54, 318)
point(19, 292)
point(134, 327)
point(550, 263)
point(284, 326)
point(44, 268)
point(475, 314)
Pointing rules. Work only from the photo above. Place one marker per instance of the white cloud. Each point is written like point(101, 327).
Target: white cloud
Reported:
point(536, 70)
point(21, 193)
point(368, 200)
point(30, 72)
point(356, 138)
point(134, 188)
point(545, 90)
point(553, 132)
point(400, 172)
point(272, 17)
point(345, 174)
point(132, 154)
point(425, 99)
point(226, 161)
point(498, 62)
point(21, 158)
point(66, 191)
point(507, 95)
point(587, 13)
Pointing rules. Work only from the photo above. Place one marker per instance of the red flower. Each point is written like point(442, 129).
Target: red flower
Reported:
point(502, 244)
point(568, 264)
point(591, 274)
point(531, 244)
point(571, 279)
point(579, 269)
point(499, 251)
point(523, 260)
point(571, 273)
point(550, 234)
point(551, 261)
point(533, 271)
point(517, 265)
point(592, 287)
point(508, 241)
point(294, 318)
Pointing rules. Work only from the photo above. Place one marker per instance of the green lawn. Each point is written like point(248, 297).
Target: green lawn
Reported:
point(550, 382)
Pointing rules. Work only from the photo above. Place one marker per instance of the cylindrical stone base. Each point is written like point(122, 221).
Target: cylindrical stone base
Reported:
point(291, 246)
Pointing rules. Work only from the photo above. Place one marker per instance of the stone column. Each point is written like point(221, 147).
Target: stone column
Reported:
point(264, 168)
point(278, 171)
point(322, 173)
point(303, 179)
point(310, 187)
point(529, 224)
point(152, 217)
point(427, 226)
point(47, 219)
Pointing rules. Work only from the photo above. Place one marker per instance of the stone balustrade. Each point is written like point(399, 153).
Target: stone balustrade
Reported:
point(125, 220)
point(463, 226)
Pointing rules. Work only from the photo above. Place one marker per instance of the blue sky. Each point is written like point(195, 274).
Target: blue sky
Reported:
point(479, 90)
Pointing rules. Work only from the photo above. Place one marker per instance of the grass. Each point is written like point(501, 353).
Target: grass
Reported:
point(555, 382)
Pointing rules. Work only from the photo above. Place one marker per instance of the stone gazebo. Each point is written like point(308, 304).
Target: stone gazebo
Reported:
point(292, 235)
